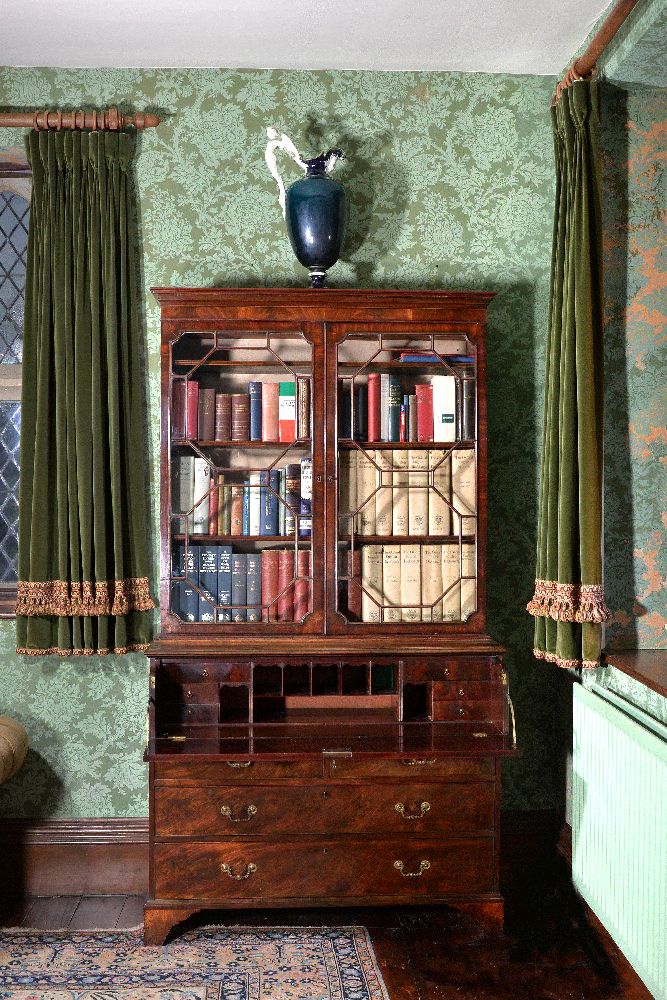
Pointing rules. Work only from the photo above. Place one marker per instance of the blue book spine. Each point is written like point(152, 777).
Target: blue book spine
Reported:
point(245, 523)
point(238, 586)
point(306, 504)
point(224, 582)
point(208, 582)
point(255, 393)
point(360, 412)
point(395, 398)
point(189, 598)
point(269, 500)
point(344, 409)
point(254, 586)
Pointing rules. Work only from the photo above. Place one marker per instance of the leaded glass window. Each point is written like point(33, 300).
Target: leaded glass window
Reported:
point(14, 215)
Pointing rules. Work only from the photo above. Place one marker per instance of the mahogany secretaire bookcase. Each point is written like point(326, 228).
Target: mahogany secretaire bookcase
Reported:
point(327, 714)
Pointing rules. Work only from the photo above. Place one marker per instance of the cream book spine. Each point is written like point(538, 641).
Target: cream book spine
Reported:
point(411, 584)
point(451, 584)
point(439, 514)
point(347, 490)
point(431, 583)
point(391, 582)
point(464, 491)
point(367, 475)
point(201, 485)
point(444, 408)
point(371, 582)
point(399, 493)
point(468, 586)
point(418, 492)
point(383, 498)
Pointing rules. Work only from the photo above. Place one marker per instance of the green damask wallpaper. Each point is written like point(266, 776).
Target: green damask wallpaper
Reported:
point(451, 184)
point(633, 143)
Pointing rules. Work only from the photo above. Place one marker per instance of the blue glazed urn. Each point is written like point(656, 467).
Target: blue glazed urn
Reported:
point(315, 208)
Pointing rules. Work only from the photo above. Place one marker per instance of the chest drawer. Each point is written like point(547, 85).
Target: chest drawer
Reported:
point(401, 809)
point(421, 768)
point(229, 772)
point(474, 711)
point(255, 870)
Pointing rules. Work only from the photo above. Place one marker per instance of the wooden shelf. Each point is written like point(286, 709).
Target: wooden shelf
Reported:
point(405, 539)
point(263, 365)
point(347, 444)
point(273, 445)
point(211, 539)
point(381, 366)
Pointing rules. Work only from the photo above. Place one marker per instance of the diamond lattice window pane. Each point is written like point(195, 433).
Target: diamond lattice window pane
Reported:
point(10, 432)
point(14, 213)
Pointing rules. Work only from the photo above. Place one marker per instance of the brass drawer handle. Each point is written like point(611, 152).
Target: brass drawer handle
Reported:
point(227, 870)
point(240, 763)
point(423, 866)
point(400, 808)
point(227, 811)
point(462, 711)
point(418, 763)
point(462, 693)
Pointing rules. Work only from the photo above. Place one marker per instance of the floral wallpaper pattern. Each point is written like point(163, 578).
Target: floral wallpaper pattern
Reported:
point(451, 183)
point(634, 138)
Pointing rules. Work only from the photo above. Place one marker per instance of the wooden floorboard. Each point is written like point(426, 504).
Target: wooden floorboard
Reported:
point(50, 913)
point(132, 914)
point(97, 913)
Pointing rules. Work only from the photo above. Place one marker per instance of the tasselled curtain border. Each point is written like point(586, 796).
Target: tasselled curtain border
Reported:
point(568, 600)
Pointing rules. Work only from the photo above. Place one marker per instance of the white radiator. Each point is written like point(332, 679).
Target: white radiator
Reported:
point(619, 826)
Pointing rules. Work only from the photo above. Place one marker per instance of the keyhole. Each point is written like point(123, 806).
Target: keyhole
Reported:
point(325, 794)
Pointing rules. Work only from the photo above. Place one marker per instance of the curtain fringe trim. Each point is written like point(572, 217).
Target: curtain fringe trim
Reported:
point(136, 647)
point(541, 654)
point(88, 599)
point(569, 602)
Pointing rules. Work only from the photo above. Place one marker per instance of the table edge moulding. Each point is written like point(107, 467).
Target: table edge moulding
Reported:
point(327, 714)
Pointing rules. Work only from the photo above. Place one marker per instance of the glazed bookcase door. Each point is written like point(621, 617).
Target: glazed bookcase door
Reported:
point(241, 523)
point(407, 528)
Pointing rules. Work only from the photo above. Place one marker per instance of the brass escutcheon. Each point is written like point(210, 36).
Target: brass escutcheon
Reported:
point(400, 808)
point(227, 870)
point(423, 866)
point(227, 811)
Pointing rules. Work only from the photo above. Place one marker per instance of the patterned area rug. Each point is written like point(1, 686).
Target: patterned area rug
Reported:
point(214, 963)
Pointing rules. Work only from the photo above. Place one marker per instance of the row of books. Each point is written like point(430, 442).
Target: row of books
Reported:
point(265, 503)
point(214, 583)
point(408, 492)
point(269, 411)
point(412, 583)
point(442, 409)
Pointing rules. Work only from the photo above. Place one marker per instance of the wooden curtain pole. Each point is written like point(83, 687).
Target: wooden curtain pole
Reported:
point(101, 121)
point(584, 66)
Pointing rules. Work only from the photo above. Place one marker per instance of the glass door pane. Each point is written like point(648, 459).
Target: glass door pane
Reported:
point(407, 477)
point(241, 478)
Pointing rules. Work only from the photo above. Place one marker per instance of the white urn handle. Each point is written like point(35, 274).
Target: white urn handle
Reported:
point(280, 141)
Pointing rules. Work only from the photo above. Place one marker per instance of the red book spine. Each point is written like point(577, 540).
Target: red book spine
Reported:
point(403, 429)
point(270, 589)
point(192, 409)
point(223, 416)
point(302, 587)
point(424, 393)
point(374, 423)
point(240, 417)
point(214, 501)
point(270, 406)
point(236, 510)
point(206, 425)
point(354, 585)
point(178, 408)
point(286, 585)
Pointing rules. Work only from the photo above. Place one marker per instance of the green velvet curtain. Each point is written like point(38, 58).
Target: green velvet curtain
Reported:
point(568, 601)
point(83, 563)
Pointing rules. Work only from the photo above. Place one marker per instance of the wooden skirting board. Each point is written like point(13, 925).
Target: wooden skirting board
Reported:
point(50, 857)
point(74, 856)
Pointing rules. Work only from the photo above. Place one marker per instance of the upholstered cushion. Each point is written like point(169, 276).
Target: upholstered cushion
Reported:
point(13, 747)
